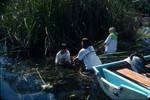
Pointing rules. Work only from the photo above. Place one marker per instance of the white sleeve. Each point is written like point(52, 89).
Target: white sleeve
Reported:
point(57, 58)
point(68, 56)
point(81, 54)
point(107, 41)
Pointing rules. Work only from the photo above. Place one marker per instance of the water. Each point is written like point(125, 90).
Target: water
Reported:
point(71, 84)
point(76, 85)
point(16, 84)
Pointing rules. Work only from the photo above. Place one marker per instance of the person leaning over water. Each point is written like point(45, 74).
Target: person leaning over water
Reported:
point(63, 57)
point(87, 53)
point(111, 42)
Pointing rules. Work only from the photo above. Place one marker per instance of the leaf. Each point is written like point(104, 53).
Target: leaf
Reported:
point(47, 86)
point(87, 97)
point(73, 95)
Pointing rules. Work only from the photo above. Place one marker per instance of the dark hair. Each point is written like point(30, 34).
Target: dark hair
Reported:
point(86, 42)
point(63, 46)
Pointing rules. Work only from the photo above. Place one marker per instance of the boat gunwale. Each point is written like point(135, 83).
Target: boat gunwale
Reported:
point(98, 72)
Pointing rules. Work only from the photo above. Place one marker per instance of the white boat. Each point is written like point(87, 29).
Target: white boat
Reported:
point(119, 81)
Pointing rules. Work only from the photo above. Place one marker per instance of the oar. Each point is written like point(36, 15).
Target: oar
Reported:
point(100, 47)
point(99, 42)
point(94, 45)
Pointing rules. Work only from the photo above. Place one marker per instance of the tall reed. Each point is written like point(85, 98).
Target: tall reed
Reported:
point(45, 24)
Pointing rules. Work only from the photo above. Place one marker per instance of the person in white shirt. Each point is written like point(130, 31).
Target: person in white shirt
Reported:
point(63, 56)
point(87, 53)
point(111, 42)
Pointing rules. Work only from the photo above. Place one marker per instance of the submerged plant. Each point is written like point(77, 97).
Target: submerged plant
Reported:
point(45, 85)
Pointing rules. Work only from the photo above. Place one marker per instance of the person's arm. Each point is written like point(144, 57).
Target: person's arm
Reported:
point(102, 46)
point(80, 56)
point(57, 59)
point(106, 42)
point(75, 60)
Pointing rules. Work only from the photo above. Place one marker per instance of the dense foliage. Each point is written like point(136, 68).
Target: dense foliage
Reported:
point(45, 24)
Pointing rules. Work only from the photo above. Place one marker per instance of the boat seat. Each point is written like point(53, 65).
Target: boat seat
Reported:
point(135, 76)
point(120, 66)
point(148, 66)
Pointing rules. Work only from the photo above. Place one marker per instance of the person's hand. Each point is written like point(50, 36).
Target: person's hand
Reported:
point(59, 63)
point(73, 62)
point(100, 47)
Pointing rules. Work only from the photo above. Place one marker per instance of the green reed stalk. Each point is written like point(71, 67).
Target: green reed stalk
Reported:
point(45, 24)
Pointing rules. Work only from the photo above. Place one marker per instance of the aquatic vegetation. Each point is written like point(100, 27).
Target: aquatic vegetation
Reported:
point(70, 84)
point(45, 86)
point(44, 24)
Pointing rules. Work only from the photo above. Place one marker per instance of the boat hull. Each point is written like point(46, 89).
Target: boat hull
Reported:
point(118, 87)
point(120, 92)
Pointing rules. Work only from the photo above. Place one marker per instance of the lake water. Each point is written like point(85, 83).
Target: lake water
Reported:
point(72, 84)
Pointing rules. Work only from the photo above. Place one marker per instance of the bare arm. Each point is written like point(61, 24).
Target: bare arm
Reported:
point(75, 60)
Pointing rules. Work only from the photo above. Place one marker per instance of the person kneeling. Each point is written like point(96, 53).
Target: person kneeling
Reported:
point(63, 57)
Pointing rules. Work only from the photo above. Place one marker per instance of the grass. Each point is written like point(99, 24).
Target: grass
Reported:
point(45, 24)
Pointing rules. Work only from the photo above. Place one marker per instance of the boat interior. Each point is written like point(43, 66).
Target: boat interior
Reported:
point(127, 65)
point(126, 71)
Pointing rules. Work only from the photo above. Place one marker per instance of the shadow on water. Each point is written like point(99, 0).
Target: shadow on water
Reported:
point(73, 84)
